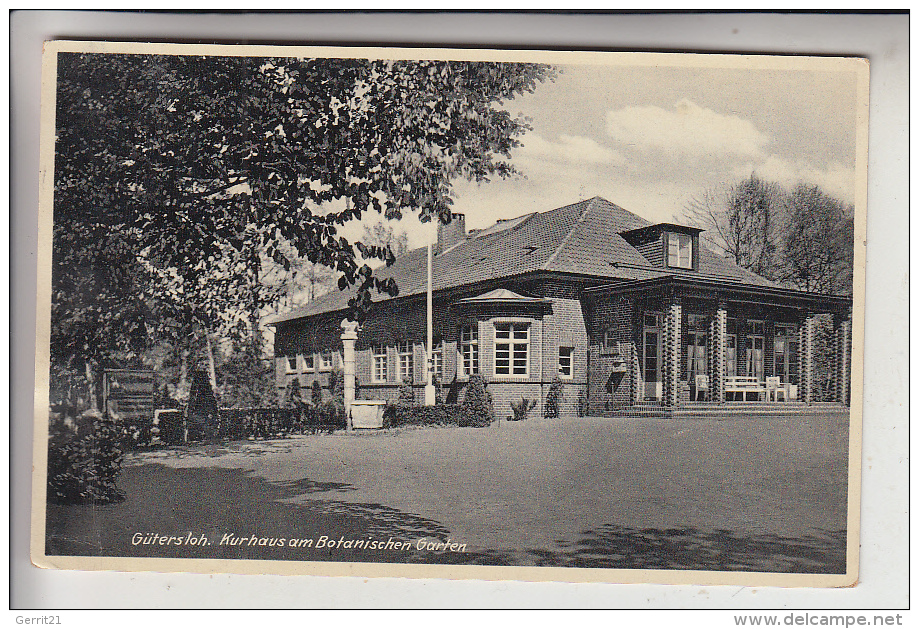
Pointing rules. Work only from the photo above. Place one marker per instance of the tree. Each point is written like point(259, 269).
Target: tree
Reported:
point(178, 177)
point(818, 243)
point(743, 222)
point(386, 237)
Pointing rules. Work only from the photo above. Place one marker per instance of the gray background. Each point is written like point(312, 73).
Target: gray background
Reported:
point(883, 39)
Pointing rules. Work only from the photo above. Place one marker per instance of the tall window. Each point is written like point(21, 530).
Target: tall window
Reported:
point(469, 348)
point(696, 338)
point(730, 351)
point(309, 362)
point(565, 360)
point(652, 349)
point(786, 353)
point(730, 355)
point(325, 360)
point(755, 344)
point(437, 361)
point(406, 362)
point(679, 251)
point(290, 363)
point(512, 349)
point(380, 371)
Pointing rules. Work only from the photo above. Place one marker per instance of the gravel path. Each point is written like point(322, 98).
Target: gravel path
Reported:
point(587, 491)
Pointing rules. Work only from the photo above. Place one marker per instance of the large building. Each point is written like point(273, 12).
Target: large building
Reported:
point(630, 316)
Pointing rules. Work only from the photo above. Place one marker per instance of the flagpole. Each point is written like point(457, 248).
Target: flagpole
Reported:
point(429, 396)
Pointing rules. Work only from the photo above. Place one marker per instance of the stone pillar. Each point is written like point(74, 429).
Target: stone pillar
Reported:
point(843, 357)
point(348, 337)
point(672, 354)
point(806, 359)
point(717, 342)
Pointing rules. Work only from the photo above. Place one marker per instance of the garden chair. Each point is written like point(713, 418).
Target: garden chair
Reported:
point(701, 386)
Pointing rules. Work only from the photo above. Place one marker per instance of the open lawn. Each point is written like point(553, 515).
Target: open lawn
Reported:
point(764, 493)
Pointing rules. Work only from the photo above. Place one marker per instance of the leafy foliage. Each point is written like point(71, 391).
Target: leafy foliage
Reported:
point(802, 238)
point(553, 398)
point(818, 243)
point(478, 409)
point(246, 379)
point(399, 414)
point(83, 464)
point(202, 415)
point(406, 394)
point(181, 180)
point(522, 408)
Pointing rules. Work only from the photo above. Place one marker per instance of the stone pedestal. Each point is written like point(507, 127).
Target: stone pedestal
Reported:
point(348, 337)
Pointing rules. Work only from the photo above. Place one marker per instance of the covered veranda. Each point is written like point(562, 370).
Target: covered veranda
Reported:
point(703, 343)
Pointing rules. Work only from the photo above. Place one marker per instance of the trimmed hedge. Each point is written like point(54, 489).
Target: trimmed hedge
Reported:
point(411, 415)
point(237, 424)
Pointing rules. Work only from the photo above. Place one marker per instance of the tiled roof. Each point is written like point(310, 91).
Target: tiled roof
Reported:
point(582, 238)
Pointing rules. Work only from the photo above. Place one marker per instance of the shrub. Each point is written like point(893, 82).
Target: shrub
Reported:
point(553, 397)
point(439, 396)
point(316, 393)
point(406, 394)
point(202, 417)
point(294, 397)
point(413, 415)
point(84, 464)
point(136, 432)
point(337, 385)
point(477, 404)
point(331, 416)
point(583, 404)
point(172, 427)
point(522, 409)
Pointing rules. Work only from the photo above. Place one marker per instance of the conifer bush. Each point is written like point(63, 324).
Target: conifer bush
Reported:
point(553, 398)
point(477, 404)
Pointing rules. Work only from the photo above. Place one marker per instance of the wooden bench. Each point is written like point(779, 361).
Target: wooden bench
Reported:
point(744, 385)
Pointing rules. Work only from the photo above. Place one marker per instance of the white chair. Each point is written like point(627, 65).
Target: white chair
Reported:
point(773, 388)
point(792, 393)
point(701, 385)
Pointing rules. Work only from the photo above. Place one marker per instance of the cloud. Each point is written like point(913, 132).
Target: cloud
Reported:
point(687, 129)
point(835, 179)
point(568, 148)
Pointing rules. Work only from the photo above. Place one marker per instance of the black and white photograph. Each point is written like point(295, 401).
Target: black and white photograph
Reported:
point(483, 314)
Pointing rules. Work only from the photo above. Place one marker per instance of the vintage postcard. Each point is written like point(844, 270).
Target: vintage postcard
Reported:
point(569, 316)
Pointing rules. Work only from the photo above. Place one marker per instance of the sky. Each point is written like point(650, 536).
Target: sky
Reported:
point(651, 138)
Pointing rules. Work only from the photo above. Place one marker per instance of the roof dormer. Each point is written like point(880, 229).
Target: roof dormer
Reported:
point(667, 245)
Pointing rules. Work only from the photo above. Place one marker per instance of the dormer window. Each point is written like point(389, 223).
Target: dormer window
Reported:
point(666, 245)
point(679, 250)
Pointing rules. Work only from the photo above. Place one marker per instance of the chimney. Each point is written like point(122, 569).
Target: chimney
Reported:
point(451, 233)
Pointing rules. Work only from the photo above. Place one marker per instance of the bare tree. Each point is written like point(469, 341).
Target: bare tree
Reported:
point(744, 222)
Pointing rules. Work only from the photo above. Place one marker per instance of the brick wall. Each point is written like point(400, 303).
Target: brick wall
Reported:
point(611, 322)
point(559, 323)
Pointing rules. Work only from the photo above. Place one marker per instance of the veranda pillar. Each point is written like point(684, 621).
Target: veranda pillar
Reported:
point(672, 354)
point(717, 342)
point(348, 337)
point(807, 377)
point(841, 364)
